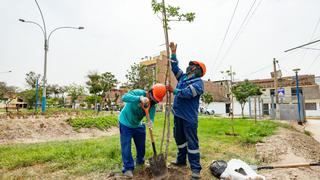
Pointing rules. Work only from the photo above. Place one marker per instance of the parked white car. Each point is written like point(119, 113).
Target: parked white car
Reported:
point(207, 111)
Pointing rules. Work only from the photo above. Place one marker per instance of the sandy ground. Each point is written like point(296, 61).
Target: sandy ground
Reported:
point(289, 147)
point(32, 130)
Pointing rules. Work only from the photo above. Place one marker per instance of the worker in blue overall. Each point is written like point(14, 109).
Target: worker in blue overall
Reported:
point(185, 109)
point(131, 126)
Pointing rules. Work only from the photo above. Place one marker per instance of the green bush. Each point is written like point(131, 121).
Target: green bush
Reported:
point(103, 122)
point(258, 131)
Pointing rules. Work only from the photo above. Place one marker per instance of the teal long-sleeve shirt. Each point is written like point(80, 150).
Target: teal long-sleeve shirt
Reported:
point(132, 113)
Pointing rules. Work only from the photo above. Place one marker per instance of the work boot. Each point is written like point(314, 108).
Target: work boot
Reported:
point(176, 163)
point(195, 175)
point(128, 174)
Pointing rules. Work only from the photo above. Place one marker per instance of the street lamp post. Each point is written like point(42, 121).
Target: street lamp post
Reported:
point(46, 48)
point(298, 95)
point(2, 72)
point(231, 74)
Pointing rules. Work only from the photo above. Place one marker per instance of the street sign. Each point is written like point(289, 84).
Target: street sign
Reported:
point(281, 92)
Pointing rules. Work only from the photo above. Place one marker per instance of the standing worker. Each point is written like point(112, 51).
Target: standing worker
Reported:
point(130, 123)
point(185, 109)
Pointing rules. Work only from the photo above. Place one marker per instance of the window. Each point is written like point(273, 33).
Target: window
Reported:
point(311, 106)
point(227, 108)
point(265, 109)
point(272, 92)
point(294, 92)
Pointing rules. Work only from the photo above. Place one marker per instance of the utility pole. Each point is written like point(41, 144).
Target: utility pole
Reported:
point(231, 74)
point(275, 76)
point(298, 95)
point(255, 109)
point(37, 92)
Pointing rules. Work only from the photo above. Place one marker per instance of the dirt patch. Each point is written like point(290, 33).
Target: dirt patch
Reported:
point(145, 173)
point(41, 129)
point(286, 147)
point(41, 171)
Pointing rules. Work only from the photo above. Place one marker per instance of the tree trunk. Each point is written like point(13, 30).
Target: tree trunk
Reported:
point(95, 102)
point(242, 107)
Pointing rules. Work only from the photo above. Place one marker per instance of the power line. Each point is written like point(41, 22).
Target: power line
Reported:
point(281, 58)
point(259, 70)
point(254, 11)
point(313, 33)
point(225, 35)
point(315, 59)
point(302, 45)
point(311, 37)
point(238, 33)
point(315, 29)
point(317, 49)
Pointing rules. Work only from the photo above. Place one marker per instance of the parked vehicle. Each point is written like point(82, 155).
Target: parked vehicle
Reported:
point(207, 111)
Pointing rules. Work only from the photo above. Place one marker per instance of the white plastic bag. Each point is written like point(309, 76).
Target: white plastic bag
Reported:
point(239, 170)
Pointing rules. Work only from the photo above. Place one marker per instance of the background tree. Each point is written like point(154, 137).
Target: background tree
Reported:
point(62, 91)
point(29, 96)
point(207, 98)
point(94, 85)
point(75, 91)
point(7, 93)
point(243, 91)
point(91, 100)
point(31, 79)
point(53, 90)
point(139, 77)
point(107, 82)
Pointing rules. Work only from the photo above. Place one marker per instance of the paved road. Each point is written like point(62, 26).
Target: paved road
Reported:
point(314, 127)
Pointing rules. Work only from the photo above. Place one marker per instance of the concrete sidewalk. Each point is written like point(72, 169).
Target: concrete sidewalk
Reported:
point(313, 125)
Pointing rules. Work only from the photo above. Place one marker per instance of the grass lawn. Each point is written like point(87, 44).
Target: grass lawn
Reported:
point(94, 156)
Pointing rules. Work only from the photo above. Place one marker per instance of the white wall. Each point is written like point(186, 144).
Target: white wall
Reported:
point(314, 113)
point(220, 108)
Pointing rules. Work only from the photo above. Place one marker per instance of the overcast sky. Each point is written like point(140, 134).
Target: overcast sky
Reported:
point(120, 32)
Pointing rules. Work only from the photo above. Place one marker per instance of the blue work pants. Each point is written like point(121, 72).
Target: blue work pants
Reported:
point(139, 137)
point(185, 135)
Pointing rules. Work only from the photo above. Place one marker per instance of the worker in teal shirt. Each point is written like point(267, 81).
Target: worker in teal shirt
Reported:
point(131, 126)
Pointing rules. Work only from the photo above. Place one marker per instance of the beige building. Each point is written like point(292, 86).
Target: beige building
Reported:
point(308, 87)
point(158, 66)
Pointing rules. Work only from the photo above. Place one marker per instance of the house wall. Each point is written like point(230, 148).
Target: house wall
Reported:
point(220, 108)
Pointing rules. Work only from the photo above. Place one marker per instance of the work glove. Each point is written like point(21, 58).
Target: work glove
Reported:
point(175, 91)
point(149, 124)
point(174, 62)
point(169, 88)
point(144, 100)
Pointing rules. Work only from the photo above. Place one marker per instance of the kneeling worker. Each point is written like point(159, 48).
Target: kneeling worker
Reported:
point(130, 123)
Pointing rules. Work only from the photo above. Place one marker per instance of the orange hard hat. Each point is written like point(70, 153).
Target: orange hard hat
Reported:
point(159, 91)
point(202, 66)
